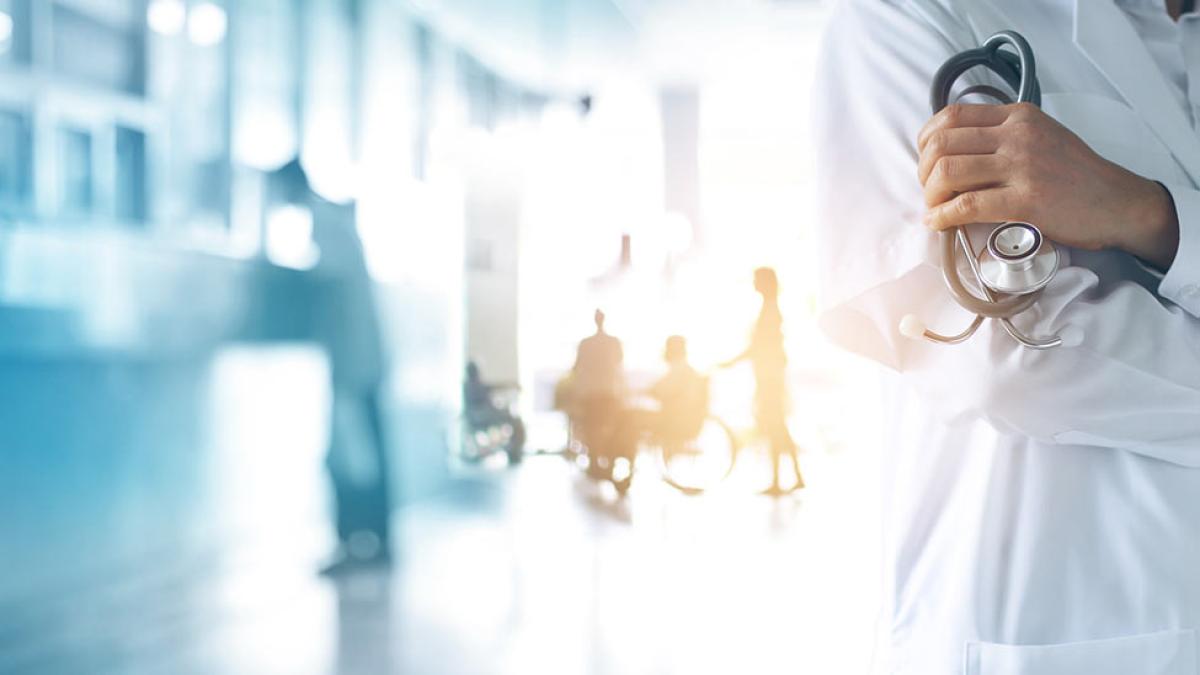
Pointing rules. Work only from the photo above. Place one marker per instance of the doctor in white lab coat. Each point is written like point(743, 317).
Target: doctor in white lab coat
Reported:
point(1042, 508)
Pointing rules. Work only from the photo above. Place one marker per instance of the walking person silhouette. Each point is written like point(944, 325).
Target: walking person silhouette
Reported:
point(766, 354)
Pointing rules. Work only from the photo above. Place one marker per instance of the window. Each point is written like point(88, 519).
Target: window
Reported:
point(75, 194)
point(14, 31)
point(131, 175)
point(99, 50)
point(15, 163)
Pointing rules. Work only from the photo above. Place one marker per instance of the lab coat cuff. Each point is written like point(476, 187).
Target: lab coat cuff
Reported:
point(1181, 284)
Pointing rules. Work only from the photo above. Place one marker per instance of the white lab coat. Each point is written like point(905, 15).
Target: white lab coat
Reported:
point(1043, 508)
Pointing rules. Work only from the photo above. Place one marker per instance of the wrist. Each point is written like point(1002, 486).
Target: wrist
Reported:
point(1150, 231)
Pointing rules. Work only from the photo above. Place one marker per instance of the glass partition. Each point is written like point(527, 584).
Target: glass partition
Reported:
point(15, 160)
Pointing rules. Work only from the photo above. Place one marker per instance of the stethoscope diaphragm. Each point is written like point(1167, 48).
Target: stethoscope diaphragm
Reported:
point(1017, 260)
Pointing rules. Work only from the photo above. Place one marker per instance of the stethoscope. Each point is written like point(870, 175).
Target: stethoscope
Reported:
point(1017, 262)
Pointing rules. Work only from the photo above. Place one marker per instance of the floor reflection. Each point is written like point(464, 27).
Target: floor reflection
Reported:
point(530, 571)
point(551, 573)
point(508, 572)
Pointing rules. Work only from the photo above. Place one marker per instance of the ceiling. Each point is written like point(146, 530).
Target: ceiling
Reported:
point(575, 44)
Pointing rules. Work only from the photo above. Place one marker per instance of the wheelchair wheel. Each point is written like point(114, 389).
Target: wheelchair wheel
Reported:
point(474, 442)
point(698, 464)
point(515, 445)
point(515, 455)
point(481, 441)
point(596, 450)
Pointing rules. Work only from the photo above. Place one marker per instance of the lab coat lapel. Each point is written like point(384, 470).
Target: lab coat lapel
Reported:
point(1112, 44)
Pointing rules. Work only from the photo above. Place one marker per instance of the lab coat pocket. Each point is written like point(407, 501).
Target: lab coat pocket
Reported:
point(1170, 652)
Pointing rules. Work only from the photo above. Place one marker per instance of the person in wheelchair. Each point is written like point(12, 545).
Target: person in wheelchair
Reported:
point(682, 397)
point(595, 399)
point(483, 413)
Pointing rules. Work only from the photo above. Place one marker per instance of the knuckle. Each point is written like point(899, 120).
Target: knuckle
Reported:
point(967, 204)
point(932, 197)
point(952, 114)
point(936, 145)
point(946, 169)
point(1024, 110)
point(1031, 124)
point(1018, 126)
point(940, 143)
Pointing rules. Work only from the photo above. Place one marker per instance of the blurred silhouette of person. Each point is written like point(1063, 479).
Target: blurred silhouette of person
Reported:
point(681, 394)
point(479, 403)
point(599, 364)
point(477, 394)
point(346, 324)
point(767, 356)
point(597, 402)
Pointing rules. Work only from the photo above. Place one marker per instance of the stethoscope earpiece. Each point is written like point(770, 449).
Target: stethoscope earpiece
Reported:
point(912, 327)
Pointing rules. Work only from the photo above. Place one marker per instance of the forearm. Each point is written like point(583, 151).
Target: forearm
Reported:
point(737, 359)
point(1168, 238)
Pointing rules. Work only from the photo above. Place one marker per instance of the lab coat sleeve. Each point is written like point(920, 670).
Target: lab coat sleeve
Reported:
point(1133, 383)
point(1181, 284)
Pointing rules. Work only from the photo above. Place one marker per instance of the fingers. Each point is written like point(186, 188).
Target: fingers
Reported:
point(962, 115)
point(960, 166)
point(963, 173)
point(966, 141)
point(991, 205)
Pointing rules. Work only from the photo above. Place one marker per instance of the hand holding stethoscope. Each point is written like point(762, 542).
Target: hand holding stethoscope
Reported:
point(989, 163)
point(1017, 262)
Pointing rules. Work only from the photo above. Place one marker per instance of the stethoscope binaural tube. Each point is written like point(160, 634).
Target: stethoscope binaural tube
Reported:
point(1018, 70)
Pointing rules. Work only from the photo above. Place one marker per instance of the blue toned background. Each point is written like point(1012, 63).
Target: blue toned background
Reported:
point(220, 221)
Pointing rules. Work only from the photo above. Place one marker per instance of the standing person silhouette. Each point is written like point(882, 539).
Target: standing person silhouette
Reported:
point(599, 374)
point(345, 322)
point(769, 360)
point(598, 402)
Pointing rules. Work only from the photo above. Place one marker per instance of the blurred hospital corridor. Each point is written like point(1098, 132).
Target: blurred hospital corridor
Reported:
point(434, 337)
point(599, 337)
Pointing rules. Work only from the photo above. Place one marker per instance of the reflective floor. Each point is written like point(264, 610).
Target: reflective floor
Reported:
point(509, 571)
point(544, 572)
point(534, 571)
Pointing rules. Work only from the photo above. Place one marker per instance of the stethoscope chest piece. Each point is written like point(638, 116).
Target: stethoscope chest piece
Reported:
point(1017, 260)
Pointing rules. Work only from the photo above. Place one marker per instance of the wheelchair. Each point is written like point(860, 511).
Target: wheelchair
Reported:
point(695, 449)
point(491, 429)
point(600, 440)
point(694, 452)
